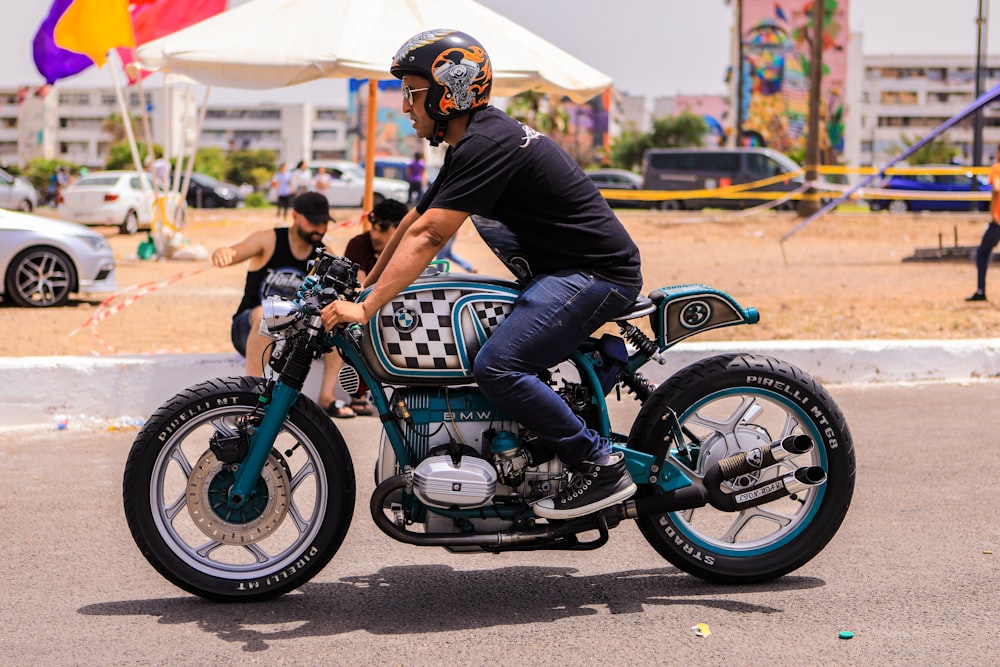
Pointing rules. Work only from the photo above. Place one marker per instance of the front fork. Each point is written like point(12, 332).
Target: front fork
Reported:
point(275, 403)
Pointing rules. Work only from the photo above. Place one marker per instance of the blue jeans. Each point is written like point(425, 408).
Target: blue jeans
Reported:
point(550, 319)
point(984, 253)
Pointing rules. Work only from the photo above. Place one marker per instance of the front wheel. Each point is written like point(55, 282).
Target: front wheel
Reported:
point(175, 494)
point(732, 403)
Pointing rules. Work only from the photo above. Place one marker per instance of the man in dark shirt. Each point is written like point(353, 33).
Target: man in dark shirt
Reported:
point(546, 220)
point(278, 264)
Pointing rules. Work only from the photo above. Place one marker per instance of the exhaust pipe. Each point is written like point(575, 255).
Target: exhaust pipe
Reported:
point(764, 457)
point(500, 540)
point(710, 491)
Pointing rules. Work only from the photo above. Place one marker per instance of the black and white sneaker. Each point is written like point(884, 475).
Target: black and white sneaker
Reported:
point(591, 487)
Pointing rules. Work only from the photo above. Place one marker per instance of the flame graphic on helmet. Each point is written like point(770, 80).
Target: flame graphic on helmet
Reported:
point(466, 75)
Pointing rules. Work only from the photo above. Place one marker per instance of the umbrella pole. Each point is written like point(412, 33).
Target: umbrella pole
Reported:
point(370, 143)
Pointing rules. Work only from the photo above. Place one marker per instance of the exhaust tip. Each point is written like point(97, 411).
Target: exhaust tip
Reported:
point(797, 444)
point(810, 475)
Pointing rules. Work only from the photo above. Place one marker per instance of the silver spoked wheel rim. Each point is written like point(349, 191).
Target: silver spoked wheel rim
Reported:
point(294, 460)
point(730, 422)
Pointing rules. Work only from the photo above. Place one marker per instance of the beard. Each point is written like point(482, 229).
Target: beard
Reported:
point(313, 238)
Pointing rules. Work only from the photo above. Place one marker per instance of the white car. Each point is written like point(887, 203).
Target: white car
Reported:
point(109, 198)
point(17, 194)
point(43, 261)
point(347, 184)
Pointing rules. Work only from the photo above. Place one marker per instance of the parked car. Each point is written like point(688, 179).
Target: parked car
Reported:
point(207, 192)
point(109, 198)
point(43, 261)
point(931, 183)
point(17, 194)
point(619, 179)
point(711, 168)
point(347, 185)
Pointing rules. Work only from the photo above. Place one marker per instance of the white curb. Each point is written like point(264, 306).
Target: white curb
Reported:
point(50, 390)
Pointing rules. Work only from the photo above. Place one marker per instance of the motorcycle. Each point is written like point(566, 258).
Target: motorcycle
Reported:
point(242, 488)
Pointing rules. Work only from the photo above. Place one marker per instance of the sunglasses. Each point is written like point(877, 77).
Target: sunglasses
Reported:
point(408, 93)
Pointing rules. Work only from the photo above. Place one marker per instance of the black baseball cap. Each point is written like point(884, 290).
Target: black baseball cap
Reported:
point(313, 207)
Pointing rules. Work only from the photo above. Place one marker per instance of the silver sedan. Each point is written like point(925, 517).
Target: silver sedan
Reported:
point(43, 261)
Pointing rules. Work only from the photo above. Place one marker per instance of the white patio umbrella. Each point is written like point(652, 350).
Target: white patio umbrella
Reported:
point(268, 44)
point(273, 43)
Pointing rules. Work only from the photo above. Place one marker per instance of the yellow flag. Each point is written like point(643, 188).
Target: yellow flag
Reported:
point(94, 27)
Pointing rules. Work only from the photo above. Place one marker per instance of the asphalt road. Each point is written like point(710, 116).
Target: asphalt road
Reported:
point(914, 572)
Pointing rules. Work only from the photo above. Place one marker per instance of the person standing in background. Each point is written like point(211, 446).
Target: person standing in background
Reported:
point(991, 236)
point(415, 177)
point(281, 185)
point(301, 179)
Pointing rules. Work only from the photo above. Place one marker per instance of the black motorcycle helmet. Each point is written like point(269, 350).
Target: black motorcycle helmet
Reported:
point(458, 69)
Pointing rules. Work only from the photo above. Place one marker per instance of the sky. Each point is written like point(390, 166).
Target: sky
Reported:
point(648, 47)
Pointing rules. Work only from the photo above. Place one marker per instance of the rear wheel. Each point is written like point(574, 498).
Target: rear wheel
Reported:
point(735, 403)
point(40, 277)
point(176, 495)
point(24, 206)
point(131, 223)
point(671, 205)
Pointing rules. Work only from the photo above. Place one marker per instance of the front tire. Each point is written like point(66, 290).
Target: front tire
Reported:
point(40, 278)
point(175, 494)
point(736, 402)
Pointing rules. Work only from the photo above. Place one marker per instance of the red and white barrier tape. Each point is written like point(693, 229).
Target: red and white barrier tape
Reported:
point(134, 292)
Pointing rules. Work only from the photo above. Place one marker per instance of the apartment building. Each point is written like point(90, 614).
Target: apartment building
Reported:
point(68, 123)
point(908, 96)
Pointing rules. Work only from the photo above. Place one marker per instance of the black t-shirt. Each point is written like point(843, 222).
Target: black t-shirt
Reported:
point(531, 203)
point(281, 276)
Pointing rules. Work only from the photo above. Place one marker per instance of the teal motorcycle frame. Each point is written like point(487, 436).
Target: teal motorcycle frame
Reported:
point(683, 451)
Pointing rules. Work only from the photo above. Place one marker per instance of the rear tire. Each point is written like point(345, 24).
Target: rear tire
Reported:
point(733, 403)
point(131, 223)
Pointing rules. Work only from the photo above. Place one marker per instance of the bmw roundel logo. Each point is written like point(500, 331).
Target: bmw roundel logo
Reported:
point(405, 319)
point(695, 314)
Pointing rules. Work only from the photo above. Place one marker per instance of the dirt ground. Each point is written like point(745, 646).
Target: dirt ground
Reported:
point(842, 277)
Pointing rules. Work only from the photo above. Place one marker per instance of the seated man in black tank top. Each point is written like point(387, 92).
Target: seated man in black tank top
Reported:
point(278, 264)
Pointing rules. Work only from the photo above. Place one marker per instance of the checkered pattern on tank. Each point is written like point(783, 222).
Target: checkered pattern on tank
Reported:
point(449, 326)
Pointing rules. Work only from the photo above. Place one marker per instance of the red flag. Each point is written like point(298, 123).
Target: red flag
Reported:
point(156, 18)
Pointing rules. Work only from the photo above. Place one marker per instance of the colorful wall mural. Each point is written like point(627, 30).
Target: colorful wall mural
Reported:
point(777, 45)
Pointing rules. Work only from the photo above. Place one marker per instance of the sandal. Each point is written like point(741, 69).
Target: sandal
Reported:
point(361, 408)
point(340, 411)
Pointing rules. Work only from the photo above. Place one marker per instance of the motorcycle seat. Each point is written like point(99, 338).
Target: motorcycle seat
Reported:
point(641, 307)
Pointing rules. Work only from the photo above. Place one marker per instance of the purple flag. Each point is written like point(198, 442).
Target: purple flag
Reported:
point(52, 61)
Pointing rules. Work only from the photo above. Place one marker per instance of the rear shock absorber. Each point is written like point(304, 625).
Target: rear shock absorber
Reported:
point(636, 382)
point(640, 340)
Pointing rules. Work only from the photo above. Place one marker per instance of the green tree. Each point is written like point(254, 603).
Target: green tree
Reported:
point(936, 151)
point(113, 126)
point(685, 129)
point(627, 149)
point(40, 170)
point(120, 155)
point(211, 161)
point(248, 166)
point(539, 111)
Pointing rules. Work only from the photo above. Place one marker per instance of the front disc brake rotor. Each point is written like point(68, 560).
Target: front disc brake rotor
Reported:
point(208, 501)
